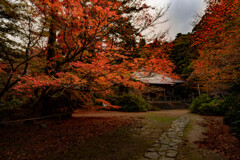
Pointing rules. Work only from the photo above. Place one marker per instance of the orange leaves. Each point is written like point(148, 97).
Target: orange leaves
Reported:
point(89, 48)
point(98, 8)
point(106, 104)
point(29, 83)
point(103, 74)
point(155, 59)
point(217, 66)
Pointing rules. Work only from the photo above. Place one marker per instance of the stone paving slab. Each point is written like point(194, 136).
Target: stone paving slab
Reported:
point(166, 147)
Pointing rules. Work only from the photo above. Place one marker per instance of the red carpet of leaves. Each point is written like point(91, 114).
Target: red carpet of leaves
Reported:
point(219, 139)
point(25, 142)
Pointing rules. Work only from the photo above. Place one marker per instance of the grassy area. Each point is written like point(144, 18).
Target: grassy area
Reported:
point(189, 128)
point(160, 118)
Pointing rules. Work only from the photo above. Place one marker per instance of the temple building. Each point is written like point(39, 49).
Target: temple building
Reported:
point(159, 87)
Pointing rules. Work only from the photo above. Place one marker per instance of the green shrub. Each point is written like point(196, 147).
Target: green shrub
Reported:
point(228, 102)
point(232, 118)
point(204, 105)
point(229, 106)
point(197, 102)
point(213, 108)
point(129, 102)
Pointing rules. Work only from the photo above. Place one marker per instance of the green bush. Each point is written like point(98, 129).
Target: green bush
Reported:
point(229, 106)
point(228, 102)
point(213, 108)
point(129, 102)
point(204, 105)
point(232, 118)
point(197, 102)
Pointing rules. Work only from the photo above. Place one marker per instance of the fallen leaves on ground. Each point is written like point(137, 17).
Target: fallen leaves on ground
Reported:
point(220, 139)
point(40, 141)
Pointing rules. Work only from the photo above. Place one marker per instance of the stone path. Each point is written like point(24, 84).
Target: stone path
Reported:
point(166, 147)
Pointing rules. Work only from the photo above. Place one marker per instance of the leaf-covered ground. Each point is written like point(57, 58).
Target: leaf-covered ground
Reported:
point(49, 137)
point(207, 138)
point(92, 135)
point(115, 135)
point(220, 139)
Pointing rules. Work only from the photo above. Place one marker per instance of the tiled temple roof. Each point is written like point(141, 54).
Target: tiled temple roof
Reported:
point(155, 78)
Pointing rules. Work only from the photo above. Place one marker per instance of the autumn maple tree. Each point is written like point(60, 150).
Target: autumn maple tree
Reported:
point(217, 40)
point(87, 47)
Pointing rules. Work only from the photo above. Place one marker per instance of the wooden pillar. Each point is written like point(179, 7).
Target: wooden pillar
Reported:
point(165, 98)
point(173, 94)
point(199, 92)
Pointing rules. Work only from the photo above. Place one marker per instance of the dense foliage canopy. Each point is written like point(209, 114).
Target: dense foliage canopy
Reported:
point(217, 39)
point(86, 46)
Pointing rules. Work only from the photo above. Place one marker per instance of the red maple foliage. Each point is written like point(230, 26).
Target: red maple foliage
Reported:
point(217, 40)
point(83, 49)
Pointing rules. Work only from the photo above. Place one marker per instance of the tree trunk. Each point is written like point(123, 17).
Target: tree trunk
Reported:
point(38, 104)
point(51, 45)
